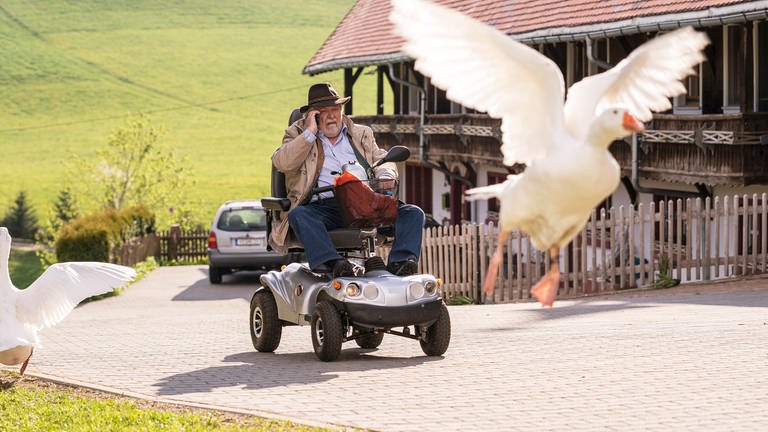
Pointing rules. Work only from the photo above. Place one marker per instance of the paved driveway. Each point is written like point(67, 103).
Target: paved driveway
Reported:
point(692, 359)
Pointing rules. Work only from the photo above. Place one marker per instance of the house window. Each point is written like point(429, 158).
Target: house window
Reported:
point(407, 98)
point(461, 210)
point(494, 206)
point(733, 66)
point(442, 104)
point(576, 62)
point(690, 101)
point(418, 190)
point(414, 96)
point(760, 54)
point(559, 54)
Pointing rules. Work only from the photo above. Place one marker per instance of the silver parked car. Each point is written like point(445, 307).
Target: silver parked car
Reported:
point(238, 241)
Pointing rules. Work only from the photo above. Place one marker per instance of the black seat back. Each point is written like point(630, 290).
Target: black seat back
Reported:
point(295, 115)
point(278, 184)
point(278, 178)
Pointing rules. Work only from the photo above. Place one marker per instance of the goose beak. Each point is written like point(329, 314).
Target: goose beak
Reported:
point(630, 123)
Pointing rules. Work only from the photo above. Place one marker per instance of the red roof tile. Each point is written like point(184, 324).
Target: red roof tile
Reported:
point(365, 37)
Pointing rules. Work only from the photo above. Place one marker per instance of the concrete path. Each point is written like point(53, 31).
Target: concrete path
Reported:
point(691, 359)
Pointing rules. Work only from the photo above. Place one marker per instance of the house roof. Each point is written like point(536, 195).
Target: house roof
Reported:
point(364, 36)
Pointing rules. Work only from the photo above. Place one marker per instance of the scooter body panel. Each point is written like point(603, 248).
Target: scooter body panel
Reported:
point(366, 299)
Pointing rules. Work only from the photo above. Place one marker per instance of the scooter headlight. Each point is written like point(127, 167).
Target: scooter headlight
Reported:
point(353, 289)
point(430, 287)
point(416, 290)
point(370, 291)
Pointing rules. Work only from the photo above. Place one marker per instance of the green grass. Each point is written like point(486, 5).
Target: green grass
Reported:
point(222, 76)
point(24, 267)
point(38, 406)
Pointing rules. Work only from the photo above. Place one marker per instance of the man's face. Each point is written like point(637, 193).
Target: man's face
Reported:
point(330, 121)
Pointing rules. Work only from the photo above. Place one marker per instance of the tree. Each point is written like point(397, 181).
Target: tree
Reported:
point(65, 208)
point(20, 219)
point(136, 169)
point(64, 211)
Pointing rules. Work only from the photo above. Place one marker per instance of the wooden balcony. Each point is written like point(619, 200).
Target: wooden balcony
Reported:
point(448, 138)
point(714, 150)
point(729, 149)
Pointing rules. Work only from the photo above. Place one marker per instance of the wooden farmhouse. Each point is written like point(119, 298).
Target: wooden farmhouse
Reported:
point(714, 142)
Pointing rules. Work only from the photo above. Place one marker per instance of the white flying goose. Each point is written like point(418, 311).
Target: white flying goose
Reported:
point(564, 143)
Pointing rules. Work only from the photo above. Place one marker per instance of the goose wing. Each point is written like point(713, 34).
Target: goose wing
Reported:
point(643, 82)
point(482, 68)
point(63, 286)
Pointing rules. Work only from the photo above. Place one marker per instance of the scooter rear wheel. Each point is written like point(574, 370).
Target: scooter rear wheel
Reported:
point(372, 340)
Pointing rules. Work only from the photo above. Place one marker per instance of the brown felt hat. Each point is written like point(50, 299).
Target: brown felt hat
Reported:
point(321, 95)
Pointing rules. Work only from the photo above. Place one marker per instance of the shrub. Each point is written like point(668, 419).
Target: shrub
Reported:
point(92, 237)
point(85, 244)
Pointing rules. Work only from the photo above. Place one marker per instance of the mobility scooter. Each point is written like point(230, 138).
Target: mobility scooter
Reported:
point(361, 308)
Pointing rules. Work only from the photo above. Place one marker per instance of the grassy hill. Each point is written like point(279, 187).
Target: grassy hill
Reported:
point(221, 75)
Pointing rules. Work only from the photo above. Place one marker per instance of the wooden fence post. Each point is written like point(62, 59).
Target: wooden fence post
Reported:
point(173, 242)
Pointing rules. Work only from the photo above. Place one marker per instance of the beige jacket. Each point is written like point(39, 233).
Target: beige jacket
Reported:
point(301, 161)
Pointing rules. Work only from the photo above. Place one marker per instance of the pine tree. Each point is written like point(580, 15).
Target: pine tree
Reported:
point(20, 219)
point(65, 208)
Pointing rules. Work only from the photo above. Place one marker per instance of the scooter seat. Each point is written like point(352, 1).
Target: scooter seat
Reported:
point(342, 238)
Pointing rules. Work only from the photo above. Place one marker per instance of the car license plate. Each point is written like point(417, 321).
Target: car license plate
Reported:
point(247, 242)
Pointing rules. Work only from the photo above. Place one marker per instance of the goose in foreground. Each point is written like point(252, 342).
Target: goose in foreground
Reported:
point(564, 145)
point(48, 300)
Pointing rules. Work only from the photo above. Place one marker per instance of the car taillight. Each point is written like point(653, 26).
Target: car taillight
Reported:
point(212, 240)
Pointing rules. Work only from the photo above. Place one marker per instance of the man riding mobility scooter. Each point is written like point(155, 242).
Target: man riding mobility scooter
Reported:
point(361, 308)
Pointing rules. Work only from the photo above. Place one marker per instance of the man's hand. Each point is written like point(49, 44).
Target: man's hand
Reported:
point(312, 116)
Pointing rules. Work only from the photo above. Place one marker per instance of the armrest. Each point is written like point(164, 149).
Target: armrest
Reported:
point(277, 204)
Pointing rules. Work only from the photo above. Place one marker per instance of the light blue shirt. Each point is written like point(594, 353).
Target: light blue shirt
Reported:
point(336, 156)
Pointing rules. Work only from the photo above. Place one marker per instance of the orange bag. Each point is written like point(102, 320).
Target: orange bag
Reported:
point(360, 205)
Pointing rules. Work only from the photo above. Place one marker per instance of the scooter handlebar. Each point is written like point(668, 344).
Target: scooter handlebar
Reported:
point(322, 189)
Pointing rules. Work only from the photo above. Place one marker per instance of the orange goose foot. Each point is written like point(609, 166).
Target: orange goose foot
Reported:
point(546, 289)
point(493, 266)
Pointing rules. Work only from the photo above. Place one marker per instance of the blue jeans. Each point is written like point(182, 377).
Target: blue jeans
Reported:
point(311, 223)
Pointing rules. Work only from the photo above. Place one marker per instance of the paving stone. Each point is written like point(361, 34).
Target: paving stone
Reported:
point(690, 358)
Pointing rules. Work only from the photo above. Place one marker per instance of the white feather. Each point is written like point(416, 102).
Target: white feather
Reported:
point(51, 297)
point(486, 70)
point(490, 191)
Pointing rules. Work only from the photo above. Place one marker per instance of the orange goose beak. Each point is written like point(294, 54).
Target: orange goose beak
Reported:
point(632, 124)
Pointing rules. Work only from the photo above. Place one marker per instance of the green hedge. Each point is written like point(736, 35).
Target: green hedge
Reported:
point(92, 236)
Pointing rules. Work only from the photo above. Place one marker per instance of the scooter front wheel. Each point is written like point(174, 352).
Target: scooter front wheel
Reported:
point(327, 331)
point(266, 329)
point(438, 335)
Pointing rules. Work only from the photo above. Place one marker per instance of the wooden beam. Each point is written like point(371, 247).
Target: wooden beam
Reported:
point(380, 90)
point(349, 82)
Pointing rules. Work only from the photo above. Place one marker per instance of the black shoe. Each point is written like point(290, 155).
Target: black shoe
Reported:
point(343, 268)
point(403, 268)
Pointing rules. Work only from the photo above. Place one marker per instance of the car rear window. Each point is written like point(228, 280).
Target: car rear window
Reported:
point(244, 219)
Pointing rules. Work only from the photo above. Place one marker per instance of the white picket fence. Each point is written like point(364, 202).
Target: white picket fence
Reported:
point(618, 249)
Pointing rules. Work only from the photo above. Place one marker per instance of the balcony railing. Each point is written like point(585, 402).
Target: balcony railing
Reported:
point(729, 149)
